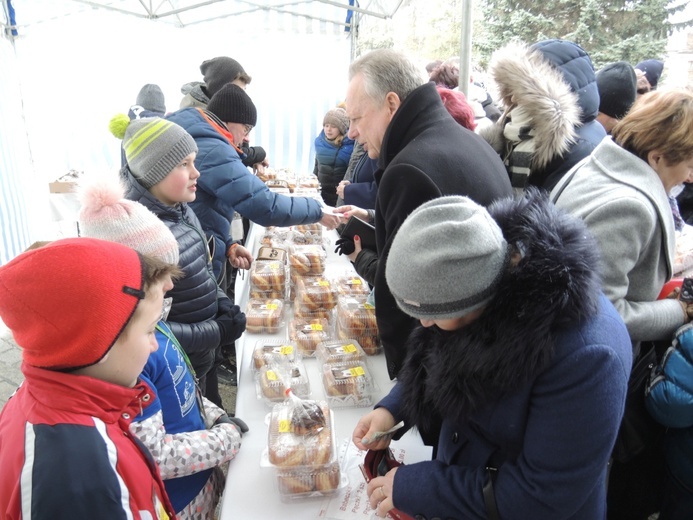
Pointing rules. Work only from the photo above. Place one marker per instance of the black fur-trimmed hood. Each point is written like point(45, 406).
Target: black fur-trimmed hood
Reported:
point(554, 286)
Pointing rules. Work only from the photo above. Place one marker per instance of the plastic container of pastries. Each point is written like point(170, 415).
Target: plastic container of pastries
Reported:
point(270, 253)
point(351, 284)
point(264, 316)
point(291, 446)
point(315, 292)
point(307, 259)
point(315, 229)
point(276, 237)
point(307, 332)
point(307, 237)
point(271, 351)
point(348, 384)
point(304, 312)
point(308, 181)
point(356, 320)
point(271, 381)
point(308, 482)
point(313, 193)
point(339, 351)
point(268, 276)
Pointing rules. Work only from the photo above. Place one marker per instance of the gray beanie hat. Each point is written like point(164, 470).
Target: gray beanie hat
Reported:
point(446, 259)
point(337, 117)
point(153, 146)
point(220, 71)
point(152, 98)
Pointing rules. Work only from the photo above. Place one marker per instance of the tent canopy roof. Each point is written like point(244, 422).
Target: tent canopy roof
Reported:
point(183, 13)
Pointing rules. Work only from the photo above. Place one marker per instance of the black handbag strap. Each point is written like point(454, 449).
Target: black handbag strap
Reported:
point(490, 495)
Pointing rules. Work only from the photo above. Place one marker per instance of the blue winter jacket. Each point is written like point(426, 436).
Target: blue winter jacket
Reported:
point(225, 186)
point(669, 400)
point(331, 164)
point(363, 189)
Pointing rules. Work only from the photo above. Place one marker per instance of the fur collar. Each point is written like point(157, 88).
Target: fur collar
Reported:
point(526, 78)
point(555, 285)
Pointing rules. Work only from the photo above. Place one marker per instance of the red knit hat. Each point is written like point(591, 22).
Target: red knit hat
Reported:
point(66, 303)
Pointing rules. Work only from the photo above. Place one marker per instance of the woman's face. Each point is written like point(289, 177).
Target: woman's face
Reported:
point(454, 323)
point(671, 175)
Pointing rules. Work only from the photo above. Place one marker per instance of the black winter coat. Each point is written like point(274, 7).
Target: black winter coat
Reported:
point(196, 295)
point(425, 154)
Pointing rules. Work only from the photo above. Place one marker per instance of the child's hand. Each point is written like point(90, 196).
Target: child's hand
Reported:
point(240, 257)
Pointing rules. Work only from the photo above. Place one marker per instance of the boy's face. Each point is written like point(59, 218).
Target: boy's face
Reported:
point(331, 131)
point(129, 354)
point(180, 185)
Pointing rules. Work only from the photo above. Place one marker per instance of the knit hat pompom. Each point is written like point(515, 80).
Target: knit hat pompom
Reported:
point(67, 303)
point(153, 148)
point(118, 125)
point(337, 117)
point(108, 215)
point(446, 260)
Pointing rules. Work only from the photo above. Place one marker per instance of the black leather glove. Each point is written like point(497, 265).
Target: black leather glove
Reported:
point(231, 325)
point(345, 246)
point(238, 423)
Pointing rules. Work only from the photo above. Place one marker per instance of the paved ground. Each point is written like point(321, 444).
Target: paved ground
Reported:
point(10, 360)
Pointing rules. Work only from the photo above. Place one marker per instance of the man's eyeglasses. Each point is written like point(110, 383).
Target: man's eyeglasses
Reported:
point(247, 129)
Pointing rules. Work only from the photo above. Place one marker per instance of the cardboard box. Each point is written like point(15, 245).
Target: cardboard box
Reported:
point(38, 244)
point(62, 187)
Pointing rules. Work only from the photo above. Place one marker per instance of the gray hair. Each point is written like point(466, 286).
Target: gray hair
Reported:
point(386, 70)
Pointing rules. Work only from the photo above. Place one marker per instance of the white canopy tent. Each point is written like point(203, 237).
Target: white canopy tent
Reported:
point(72, 64)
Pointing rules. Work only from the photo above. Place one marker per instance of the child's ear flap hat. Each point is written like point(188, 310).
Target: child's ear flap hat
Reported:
point(66, 303)
point(153, 146)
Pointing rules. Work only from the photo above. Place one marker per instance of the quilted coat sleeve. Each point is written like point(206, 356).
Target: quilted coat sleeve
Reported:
point(235, 188)
point(669, 397)
point(197, 337)
point(186, 453)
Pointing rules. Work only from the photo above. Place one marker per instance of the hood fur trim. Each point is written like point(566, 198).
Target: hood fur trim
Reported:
point(554, 286)
point(526, 78)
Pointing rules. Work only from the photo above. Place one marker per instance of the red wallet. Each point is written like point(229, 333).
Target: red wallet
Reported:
point(376, 464)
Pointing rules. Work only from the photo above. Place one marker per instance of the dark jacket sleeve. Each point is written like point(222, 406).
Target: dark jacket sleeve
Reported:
point(253, 155)
point(197, 337)
point(366, 264)
point(361, 194)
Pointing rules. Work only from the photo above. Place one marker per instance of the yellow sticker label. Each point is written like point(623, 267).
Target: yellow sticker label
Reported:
point(286, 350)
point(271, 306)
point(271, 376)
point(315, 326)
point(323, 283)
point(368, 306)
point(350, 348)
point(357, 371)
point(355, 281)
point(284, 426)
point(274, 266)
